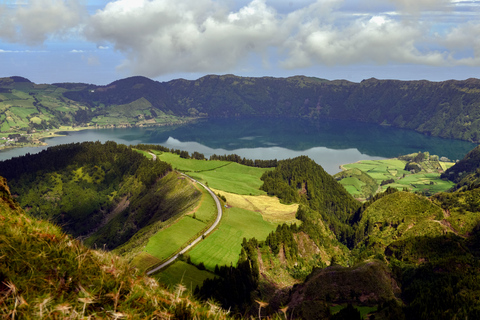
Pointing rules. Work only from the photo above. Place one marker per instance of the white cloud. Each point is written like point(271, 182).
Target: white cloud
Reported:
point(166, 36)
point(33, 23)
point(159, 37)
point(378, 40)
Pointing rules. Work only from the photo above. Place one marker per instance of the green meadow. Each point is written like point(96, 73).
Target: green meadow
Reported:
point(223, 246)
point(426, 181)
point(188, 165)
point(222, 175)
point(168, 241)
point(380, 170)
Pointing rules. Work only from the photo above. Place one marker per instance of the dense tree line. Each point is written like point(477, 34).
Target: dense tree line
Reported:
point(282, 238)
point(246, 162)
point(200, 156)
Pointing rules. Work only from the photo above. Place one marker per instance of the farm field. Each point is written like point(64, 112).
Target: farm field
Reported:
point(187, 165)
point(380, 170)
point(223, 246)
point(269, 207)
point(169, 240)
point(222, 175)
point(427, 181)
point(422, 182)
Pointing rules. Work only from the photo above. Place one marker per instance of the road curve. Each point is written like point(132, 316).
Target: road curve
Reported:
point(194, 242)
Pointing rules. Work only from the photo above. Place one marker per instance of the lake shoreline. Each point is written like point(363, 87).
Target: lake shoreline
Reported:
point(38, 138)
point(329, 143)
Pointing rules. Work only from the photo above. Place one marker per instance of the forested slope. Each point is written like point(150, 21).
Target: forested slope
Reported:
point(102, 192)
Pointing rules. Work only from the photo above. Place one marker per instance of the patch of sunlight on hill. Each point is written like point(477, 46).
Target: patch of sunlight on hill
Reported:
point(269, 207)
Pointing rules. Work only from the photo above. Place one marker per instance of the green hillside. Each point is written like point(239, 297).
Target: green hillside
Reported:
point(46, 274)
point(103, 193)
point(446, 109)
point(399, 255)
point(401, 215)
point(466, 172)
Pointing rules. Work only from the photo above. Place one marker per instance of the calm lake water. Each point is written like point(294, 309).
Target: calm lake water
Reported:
point(330, 143)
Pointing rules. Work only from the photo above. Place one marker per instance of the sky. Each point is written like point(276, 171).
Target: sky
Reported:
point(100, 41)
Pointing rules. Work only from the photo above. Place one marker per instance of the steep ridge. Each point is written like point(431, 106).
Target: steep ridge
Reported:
point(466, 172)
point(45, 274)
point(104, 193)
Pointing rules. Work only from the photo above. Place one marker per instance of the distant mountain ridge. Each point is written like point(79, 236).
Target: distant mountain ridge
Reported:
point(447, 109)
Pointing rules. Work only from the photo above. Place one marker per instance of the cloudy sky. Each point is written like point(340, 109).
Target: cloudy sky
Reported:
point(99, 41)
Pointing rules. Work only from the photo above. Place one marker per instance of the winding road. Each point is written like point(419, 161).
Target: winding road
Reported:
point(197, 240)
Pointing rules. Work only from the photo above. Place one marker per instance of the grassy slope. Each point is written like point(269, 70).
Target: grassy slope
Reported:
point(46, 274)
point(223, 246)
point(427, 181)
point(43, 107)
point(236, 182)
point(149, 246)
point(165, 243)
point(182, 272)
point(269, 207)
point(222, 175)
point(357, 183)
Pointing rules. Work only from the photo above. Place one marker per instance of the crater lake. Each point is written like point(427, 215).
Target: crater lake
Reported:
point(330, 143)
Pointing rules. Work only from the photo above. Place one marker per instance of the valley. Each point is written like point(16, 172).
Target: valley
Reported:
point(290, 234)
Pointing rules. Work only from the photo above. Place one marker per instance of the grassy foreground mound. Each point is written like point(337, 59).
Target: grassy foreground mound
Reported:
point(44, 273)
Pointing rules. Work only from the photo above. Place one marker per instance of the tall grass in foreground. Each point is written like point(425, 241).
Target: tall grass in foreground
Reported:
point(45, 274)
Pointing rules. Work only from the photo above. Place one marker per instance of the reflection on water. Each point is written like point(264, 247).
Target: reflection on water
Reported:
point(328, 142)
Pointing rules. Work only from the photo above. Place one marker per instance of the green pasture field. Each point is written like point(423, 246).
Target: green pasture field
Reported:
point(222, 175)
point(421, 182)
point(234, 178)
point(36, 120)
point(184, 273)
point(223, 246)
point(23, 112)
point(167, 241)
point(187, 165)
point(5, 127)
point(380, 170)
point(353, 183)
point(143, 261)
